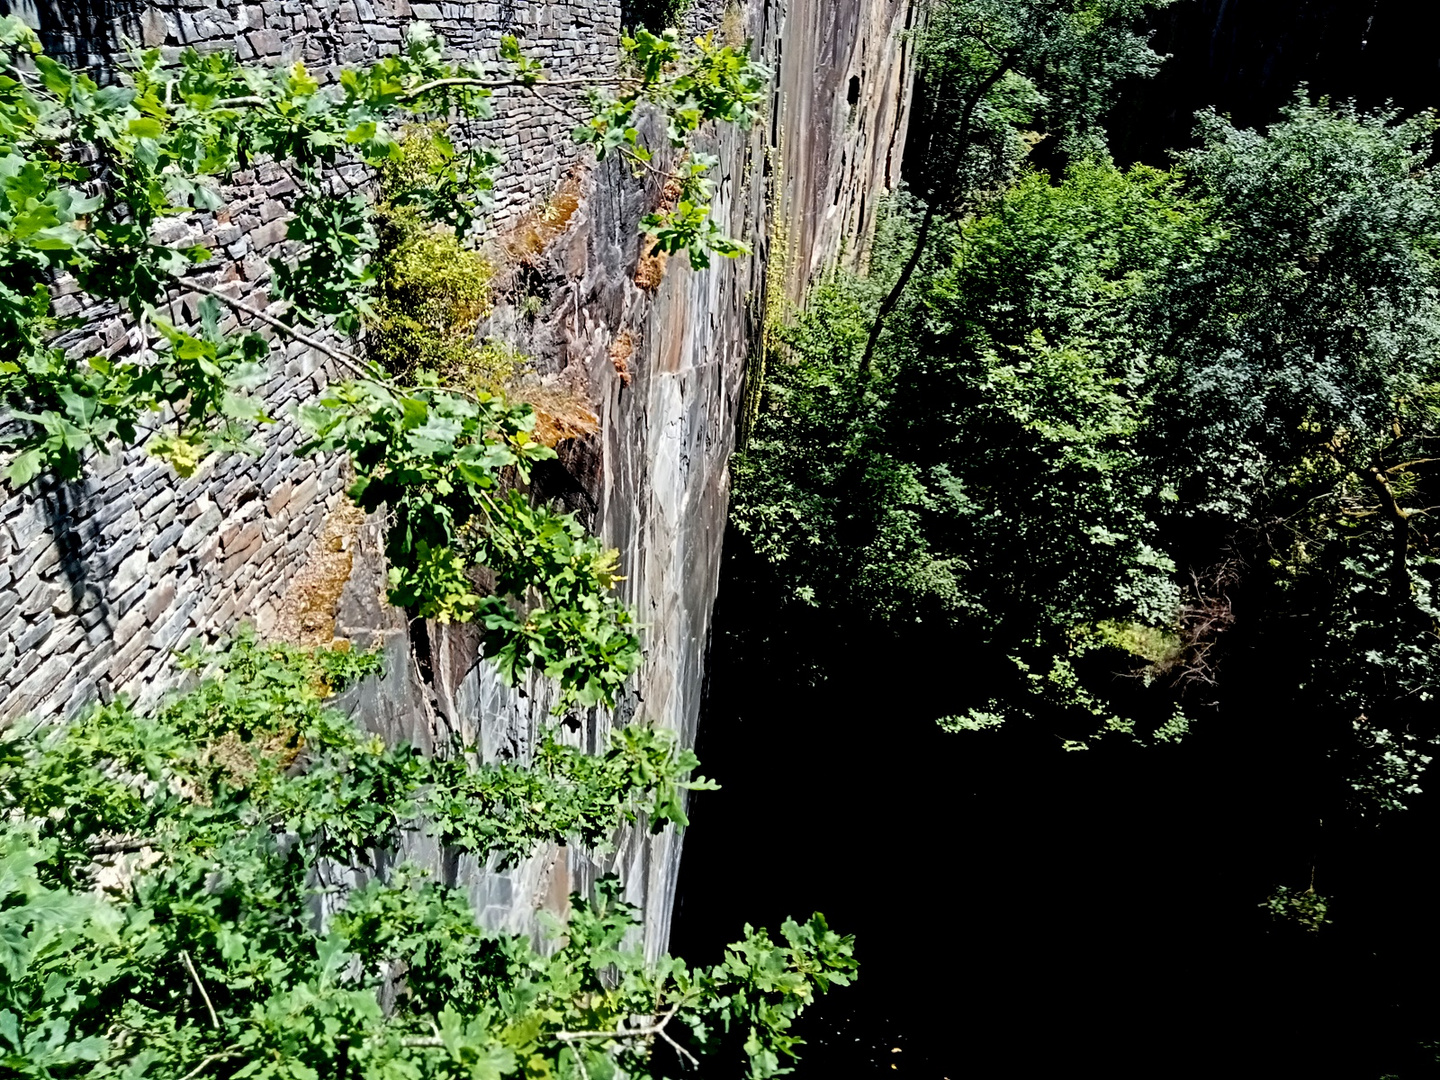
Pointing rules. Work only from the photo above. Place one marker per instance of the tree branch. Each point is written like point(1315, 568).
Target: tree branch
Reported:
point(1410, 464)
point(209, 1005)
point(221, 1056)
point(656, 1028)
point(892, 298)
point(1379, 482)
point(349, 360)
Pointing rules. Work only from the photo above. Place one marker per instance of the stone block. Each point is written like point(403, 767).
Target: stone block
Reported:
point(81, 694)
point(30, 638)
point(91, 606)
point(203, 526)
point(159, 600)
point(168, 637)
point(168, 559)
point(239, 558)
point(207, 552)
point(130, 570)
point(131, 622)
point(26, 526)
point(117, 519)
point(42, 682)
point(126, 655)
point(166, 540)
point(239, 491)
point(160, 507)
point(33, 559)
point(265, 42)
point(41, 598)
point(268, 235)
point(304, 495)
point(25, 663)
point(66, 597)
point(62, 642)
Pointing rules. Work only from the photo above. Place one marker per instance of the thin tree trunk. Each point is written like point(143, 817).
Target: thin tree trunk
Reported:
point(893, 297)
point(931, 208)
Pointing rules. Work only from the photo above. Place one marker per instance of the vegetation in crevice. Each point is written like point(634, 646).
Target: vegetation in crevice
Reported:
point(162, 878)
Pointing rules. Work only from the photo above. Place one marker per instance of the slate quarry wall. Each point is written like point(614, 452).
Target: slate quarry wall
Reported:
point(99, 580)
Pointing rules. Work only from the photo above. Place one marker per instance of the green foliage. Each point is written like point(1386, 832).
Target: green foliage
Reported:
point(158, 883)
point(713, 83)
point(990, 483)
point(161, 142)
point(432, 291)
point(432, 294)
point(439, 463)
point(687, 226)
point(1120, 398)
point(1306, 910)
point(990, 69)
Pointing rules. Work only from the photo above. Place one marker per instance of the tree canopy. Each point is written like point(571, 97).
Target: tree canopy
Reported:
point(1119, 409)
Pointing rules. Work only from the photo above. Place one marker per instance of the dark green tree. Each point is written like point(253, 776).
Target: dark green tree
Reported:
point(1127, 400)
point(991, 71)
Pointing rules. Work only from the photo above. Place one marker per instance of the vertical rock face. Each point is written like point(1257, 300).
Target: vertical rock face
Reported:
point(804, 183)
point(843, 95)
point(659, 349)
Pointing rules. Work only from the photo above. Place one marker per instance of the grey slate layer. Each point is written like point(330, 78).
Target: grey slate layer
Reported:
point(99, 580)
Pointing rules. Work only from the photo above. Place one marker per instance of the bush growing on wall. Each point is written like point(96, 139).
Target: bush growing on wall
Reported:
point(160, 143)
point(160, 878)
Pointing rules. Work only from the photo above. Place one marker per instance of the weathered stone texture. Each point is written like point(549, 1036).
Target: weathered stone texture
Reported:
point(570, 37)
point(99, 580)
point(109, 574)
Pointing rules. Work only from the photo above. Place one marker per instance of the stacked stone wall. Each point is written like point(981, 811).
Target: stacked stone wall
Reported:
point(101, 579)
point(572, 38)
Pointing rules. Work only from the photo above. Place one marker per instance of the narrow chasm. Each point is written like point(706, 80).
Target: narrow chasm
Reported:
point(1069, 650)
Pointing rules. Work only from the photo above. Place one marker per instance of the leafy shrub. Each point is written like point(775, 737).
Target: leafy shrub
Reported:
point(1307, 909)
point(158, 903)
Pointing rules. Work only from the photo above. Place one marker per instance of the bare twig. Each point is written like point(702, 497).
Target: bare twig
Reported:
point(349, 360)
point(656, 1028)
point(694, 1062)
point(190, 967)
point(210, 1060)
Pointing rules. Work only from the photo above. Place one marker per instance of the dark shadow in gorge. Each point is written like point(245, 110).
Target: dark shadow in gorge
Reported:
point(1246, 57)
point(1024, 912)
point(1021, 911)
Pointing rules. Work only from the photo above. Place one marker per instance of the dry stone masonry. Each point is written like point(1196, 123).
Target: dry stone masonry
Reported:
point(100, 580)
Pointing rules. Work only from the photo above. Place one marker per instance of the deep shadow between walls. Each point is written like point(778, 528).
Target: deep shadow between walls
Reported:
point(1245, 58)
point(1025, 912)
